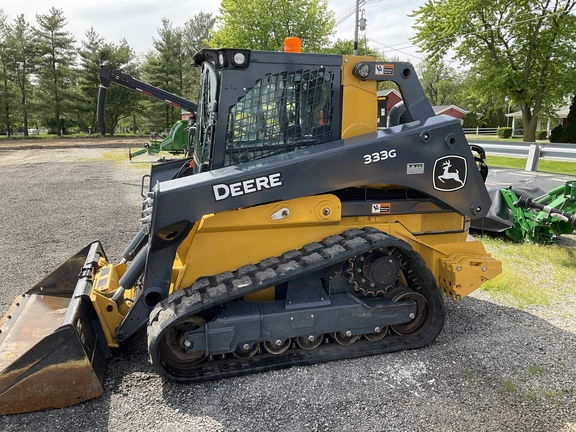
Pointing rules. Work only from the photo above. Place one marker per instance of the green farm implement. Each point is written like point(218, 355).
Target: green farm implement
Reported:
point(527, 215)
point(175, 143)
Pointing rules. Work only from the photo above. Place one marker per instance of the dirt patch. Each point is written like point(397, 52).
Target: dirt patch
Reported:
point(64, 143)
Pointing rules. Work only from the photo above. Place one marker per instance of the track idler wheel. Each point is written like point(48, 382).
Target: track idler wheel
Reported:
point(422, 317)
point(172, 346)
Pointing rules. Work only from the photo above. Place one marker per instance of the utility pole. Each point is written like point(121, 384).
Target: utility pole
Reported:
point(356, 28)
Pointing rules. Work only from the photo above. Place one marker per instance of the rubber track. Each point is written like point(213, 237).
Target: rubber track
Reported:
point(208, 292)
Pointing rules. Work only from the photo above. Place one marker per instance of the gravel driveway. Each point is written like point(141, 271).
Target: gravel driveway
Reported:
point(493, 368)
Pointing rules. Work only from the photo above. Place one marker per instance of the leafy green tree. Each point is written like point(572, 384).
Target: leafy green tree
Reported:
point(566, 134)
point(263, 25)
point(471, 120)
point(493, 118)
point(523, 49)
point(122, 104)
point(440, 81)
point(56, 76)
point(346, 47)
point(23, 51)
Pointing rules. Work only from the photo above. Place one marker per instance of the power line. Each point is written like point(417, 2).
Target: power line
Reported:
point(405, 45)
point(504, 26)
point(390, 48)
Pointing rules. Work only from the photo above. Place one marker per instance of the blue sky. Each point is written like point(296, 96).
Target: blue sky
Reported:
point(388, 26)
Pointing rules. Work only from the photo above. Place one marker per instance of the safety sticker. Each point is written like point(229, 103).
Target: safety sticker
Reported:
point(415, 168)
point(450, 173)
point(384, 69)
point(380, 208)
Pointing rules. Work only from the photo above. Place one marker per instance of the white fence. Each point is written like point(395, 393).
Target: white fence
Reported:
point(532, 151)
point(478, 131)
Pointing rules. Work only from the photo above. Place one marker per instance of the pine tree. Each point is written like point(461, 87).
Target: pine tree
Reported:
point(23, 51)
point(120, 102)
point(7, 88)
point(57, 55)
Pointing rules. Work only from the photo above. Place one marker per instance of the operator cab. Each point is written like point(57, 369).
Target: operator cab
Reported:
point(273, 103)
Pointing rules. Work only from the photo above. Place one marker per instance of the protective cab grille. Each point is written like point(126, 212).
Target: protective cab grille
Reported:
point(279, 114)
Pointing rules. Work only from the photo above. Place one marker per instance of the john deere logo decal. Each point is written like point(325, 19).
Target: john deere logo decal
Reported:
point(450, 173)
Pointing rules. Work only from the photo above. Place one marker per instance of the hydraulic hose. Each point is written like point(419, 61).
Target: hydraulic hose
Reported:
point(527, 202)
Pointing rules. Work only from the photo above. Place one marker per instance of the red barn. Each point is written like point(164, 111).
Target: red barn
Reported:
point(451, 110)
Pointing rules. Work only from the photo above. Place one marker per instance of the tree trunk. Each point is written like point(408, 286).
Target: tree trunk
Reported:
point(7, 107)
point(58, 130)
point(529, 123)
point(25, 115)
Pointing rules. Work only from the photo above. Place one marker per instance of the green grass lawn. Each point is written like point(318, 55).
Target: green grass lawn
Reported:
point(549, 166)
point(532, 274)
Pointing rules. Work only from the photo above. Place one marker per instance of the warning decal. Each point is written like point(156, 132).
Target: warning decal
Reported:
point(380, 208)
point(384, 69)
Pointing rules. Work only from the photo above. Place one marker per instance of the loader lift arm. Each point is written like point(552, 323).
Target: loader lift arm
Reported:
point(108, 76)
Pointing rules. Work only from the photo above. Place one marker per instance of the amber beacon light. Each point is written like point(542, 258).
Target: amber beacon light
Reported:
point(292, 44)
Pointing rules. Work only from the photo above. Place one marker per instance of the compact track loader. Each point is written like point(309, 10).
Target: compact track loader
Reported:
point(300, 232)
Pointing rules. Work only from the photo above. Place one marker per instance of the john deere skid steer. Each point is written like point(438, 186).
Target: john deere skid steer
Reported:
point(300, 232)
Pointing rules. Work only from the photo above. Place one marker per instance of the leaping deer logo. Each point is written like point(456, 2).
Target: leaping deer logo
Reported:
point(447, 175)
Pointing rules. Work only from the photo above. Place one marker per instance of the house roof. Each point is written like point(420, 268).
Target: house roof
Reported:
point(561, 113)
point(441, 108)
point(386, 92)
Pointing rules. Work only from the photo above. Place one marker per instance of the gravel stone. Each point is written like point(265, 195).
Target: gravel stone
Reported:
point(493, 367)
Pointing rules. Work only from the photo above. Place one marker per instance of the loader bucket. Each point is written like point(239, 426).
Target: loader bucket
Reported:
point(52, 347)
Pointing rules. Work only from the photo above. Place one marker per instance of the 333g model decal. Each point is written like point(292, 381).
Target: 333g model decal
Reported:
point(379, 156)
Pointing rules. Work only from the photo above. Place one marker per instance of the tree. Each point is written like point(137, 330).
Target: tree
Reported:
point(23, 51)
point(92, 55)
point(493, 118)
point(520, 48)
point(197, 35)
point(566, 134)
point(120, 102)
point(263, 25)
point(56, 76)
point(7, 88)
point(167, 66)
point(346, 47)
point(196, 32)
point(440, 81)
